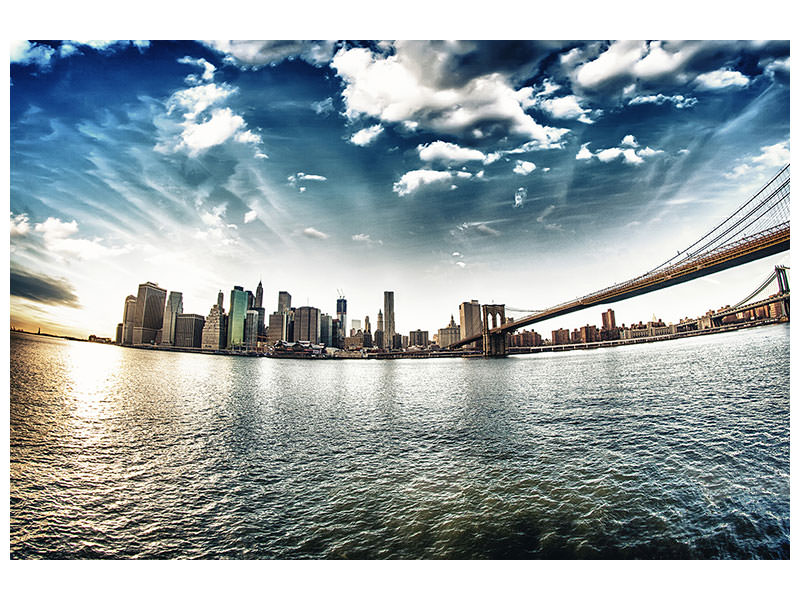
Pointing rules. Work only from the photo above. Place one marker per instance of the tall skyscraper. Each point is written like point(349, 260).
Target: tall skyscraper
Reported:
point(609, 322)
point(366, 325)
point(341, 317)
point(284, 301)
point(220, 300)
point(379, 339)
point(388, 316)
point(173, 309)
point(450, 334)
point(471, 322)
point(189, 330)
point(306, 324)
point(149, 314)
point(251, 328)
point(236, 316)
point(326, 330)
point(128, 318)
point(215, 330)
point(259, 295)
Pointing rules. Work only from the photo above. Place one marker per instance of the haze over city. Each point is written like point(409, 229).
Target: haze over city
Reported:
point(526, 173)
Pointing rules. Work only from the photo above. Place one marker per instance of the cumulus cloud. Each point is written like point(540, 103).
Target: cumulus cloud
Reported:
point(256, 54)
point(411, 86)
point(222, 126)
point(208, 68)
point(20, 225)
point(310, 232)
point(413, 180)
point(58, 240)
point(520, 196)
point(721, 78)
point(250, 216)
point(450, 153)
point(524, 167)
point(364, 137)
point(565, 107)
point(23, 52)
point(628, 150)
point(678, 100)
point(771, 157)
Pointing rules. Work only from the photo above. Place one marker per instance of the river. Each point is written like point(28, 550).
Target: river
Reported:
point(674, 449)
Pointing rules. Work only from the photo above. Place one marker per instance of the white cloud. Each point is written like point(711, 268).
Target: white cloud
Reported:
point(629, 151)
point(208, 68)
point(719, 79)
point(484, 228)
point(771, 157)
point(629, 141)
point(194, 100)
point(255, 54)
point(364, 137)
point(461, 264)
point(566, 107)
point(404, 88)
point(222, 126)
point(677, 100)
point(310, 232)
point(25, 53)
point(413, 180)
point(57, 240)
point(54, 228)
point(520, 196)
point(524, 167)
point(450, 153)
point(20, 225)
point(584, 153)
point(366, 239)
point(294, 179)
point(250, 216)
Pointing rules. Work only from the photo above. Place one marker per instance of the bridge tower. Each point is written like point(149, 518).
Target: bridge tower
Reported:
point(494, 344)
point(783, 286)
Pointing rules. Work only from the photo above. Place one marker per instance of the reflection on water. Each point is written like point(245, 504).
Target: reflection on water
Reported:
point(669, 450)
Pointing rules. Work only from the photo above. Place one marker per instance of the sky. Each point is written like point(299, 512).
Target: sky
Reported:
point(518, 172)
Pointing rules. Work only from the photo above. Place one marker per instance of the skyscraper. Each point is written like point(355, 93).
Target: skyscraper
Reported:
point(306, 324)
point(284, 301)
point(236, 316)
point(609, 322)
point(366, 325)
point(149, 315)
point(128, 318)
point(173, 309)
point(251, 328)
point(215, 330)
point(450, 334)
point(388, 316)
point(379, 339)
point(220, 300)
point(189, 330)
point(259, 295)
point(341, 316)
point(326, 330)
point(471, 323)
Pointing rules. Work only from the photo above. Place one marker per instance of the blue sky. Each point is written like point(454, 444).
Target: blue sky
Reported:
point(521, 172)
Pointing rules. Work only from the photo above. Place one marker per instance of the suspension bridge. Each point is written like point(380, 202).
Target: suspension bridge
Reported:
point(758, 228)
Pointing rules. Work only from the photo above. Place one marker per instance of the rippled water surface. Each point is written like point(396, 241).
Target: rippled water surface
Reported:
point(669, 450)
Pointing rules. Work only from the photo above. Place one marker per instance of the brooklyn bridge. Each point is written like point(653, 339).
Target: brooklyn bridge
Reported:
point(758, 228)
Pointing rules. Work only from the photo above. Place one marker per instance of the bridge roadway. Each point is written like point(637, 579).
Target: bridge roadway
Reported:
point(765, 243)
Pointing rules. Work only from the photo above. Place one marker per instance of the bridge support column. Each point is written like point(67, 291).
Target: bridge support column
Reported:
point(494, 342)
point(783, 286)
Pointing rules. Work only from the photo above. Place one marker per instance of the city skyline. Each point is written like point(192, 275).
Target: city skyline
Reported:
point(567, 167)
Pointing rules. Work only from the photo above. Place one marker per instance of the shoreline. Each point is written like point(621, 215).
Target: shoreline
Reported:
point(355, 355)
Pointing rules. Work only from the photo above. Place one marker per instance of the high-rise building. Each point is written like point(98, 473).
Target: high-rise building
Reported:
point(397, 342)
point(326, 330)
point(284, 301)
point(609, 322)
point(418, 338)
point(341, 316)
point(220, 300)
point(355, 325)
point(306, 325)
point(236, 316)
point(366, 325)
point(149, 314)
point(189, 330)
point(251, 328)
point(118, 338)
point(388, 315)
point(128, 318)
point(471, 323)
point(173, 308)
point(450, 334)
point(259, 295)
point(379, 340)
point(215, 330)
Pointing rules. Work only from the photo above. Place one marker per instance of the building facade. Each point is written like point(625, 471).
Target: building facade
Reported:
point(128, 318)
point(149, 314)
point(388, 315)
point(236, 316)
point(173, 308)
point(450, 334)
point(471, 322)
point(215, 330)
point(306, 324)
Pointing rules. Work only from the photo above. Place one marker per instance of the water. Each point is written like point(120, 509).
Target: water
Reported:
point(669, 450)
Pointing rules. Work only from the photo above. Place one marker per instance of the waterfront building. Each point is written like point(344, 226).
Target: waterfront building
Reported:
point(397, 342)
point(388, 315)
point(118, 338)
point(341, 316)
point(355, 325)
point(609, 322)
point(149, 315)
point(128, 318)
point(367, 337)
point(377, 339)
point(251, 323)
point(354, 342)
point(379, 328)
point(236, 316)
point(525, 339)
point(173, 308)
point(215, 330)
point(560, 337)
point(366, 325)
point(418, 338)
point(471, 322)
point(306, 325)
point(275, 328)
point(326, 330)
point(449, 335)
point(652, 329)
point(588, 333)
point(189, 330)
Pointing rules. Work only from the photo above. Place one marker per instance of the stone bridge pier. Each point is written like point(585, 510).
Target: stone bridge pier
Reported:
point(494, 344)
